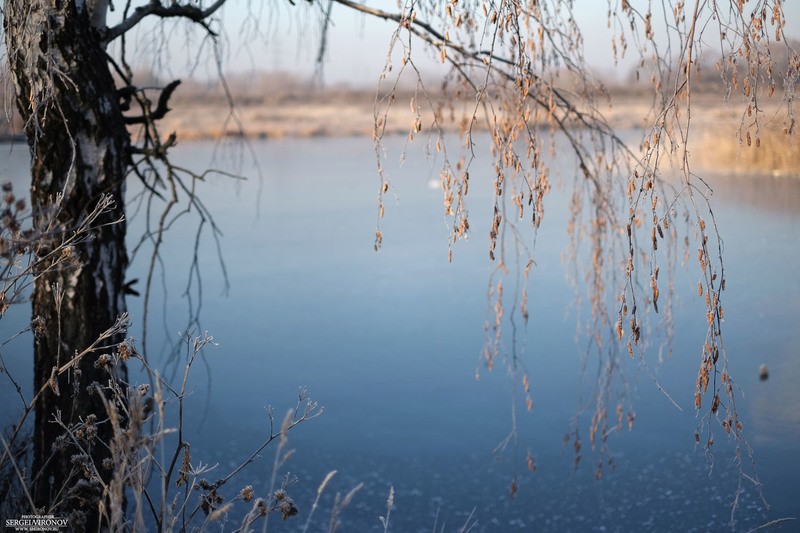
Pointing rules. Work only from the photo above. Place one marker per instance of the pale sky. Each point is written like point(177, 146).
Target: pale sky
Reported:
point(288, 39)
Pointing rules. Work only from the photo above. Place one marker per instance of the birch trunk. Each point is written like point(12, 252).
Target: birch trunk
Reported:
point(79, 146)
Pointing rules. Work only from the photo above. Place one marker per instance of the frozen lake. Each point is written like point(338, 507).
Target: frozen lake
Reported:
point(389, 344)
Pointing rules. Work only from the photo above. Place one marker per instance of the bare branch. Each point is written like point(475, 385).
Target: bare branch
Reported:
point(175, 10)
point(161, 107)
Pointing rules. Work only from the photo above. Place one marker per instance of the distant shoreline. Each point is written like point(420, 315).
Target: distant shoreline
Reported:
point(309, 114)
point(330, 114)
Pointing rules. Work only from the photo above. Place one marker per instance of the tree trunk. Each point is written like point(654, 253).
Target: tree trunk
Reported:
point(79, 147)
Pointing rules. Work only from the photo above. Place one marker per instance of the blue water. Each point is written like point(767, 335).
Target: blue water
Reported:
point(389, 342)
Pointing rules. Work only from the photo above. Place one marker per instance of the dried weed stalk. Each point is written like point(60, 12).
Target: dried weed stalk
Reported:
point(155, 484)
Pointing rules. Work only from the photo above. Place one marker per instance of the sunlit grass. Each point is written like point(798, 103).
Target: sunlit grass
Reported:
point(770, 152)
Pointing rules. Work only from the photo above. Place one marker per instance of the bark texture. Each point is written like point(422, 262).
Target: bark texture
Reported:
point(79, 147)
